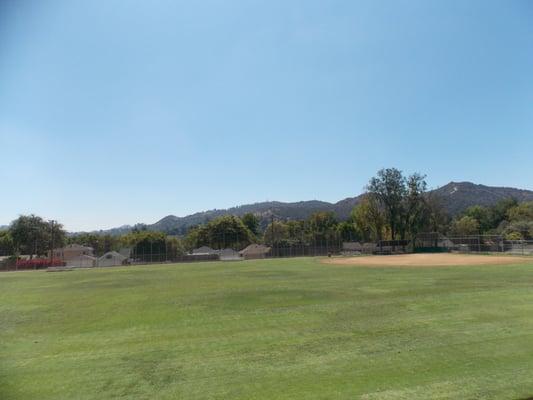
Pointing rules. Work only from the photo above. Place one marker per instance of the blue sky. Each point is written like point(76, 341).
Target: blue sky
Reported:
point(116, 112)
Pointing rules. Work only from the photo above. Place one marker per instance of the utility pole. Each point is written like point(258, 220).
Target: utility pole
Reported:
point(272, 228)
point(51, 241)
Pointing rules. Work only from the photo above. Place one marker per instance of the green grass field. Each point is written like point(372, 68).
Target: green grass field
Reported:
point(272, 329)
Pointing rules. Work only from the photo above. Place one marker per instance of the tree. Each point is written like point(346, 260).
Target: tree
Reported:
point(276, 233)
point(192, 238)
point(251, 222)
point(500, 211)
point(369, 219)
point(322, 226)
point(521, 212)
point(437, 219)
point(482, 215)
point(140, 227)
point(348, 232)
point(220, 233)
point(401, 200)
point(147, 245)
point(389, 189)
point(415, 209)
point(174, 248)
point(465, 226)
point(34, 236)
point(7, 246)
point(296, 232)
point(101, 244)
point(519, 230)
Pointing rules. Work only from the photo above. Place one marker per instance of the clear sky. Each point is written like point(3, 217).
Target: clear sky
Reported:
point(116, 112)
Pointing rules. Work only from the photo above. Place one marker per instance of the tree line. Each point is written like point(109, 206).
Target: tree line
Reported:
point(395, 207)
point(508, 218)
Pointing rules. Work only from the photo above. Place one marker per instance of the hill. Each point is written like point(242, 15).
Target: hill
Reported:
point(264, 210)
point(455, 196)
point(458, 196)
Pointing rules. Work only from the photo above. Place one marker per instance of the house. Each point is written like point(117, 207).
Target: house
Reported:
point(83, 261)
point(254, 251)
point(71, 251)
point(228, 255)
point(204, 250)
point(110, 259)
point(125, 251)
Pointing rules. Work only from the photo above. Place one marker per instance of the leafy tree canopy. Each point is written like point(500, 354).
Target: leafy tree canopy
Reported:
point(34, 236)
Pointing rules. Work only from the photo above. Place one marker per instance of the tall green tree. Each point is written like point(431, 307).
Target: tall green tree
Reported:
point(34, 236)
point(437, 218)
point(369, 219)
point(414, 210)
point(7, 246)
point(388, 187)
point(251, 222)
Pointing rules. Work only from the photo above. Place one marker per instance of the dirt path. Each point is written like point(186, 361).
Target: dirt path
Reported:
point(429, 260)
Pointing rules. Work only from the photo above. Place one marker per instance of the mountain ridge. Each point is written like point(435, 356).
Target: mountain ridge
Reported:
point(455, 197)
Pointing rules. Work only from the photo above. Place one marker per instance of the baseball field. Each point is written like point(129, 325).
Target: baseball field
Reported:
point(378, 327)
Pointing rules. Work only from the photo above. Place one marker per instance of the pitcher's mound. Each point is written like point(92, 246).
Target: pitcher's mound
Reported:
point(429, 260)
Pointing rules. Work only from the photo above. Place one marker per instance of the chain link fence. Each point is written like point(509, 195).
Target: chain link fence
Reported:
point(227, 248)
point(436, 242)
point(223, 248)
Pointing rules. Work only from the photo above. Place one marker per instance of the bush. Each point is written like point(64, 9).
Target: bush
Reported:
point(38, 263)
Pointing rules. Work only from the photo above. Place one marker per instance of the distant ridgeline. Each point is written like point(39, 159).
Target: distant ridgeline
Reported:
point(455, 198)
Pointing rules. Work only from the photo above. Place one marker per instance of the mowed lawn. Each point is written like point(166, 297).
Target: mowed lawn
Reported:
point(272, 329)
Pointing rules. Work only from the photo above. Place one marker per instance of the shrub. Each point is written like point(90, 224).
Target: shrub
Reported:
point(38, 263)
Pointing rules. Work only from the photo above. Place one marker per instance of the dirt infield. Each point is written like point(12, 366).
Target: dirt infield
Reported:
point(428, 260)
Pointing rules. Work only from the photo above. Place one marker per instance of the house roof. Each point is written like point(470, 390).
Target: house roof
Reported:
point(204, 250)
point(226, 251)
point(75, 246)
point(255, 249)
point(112, 254)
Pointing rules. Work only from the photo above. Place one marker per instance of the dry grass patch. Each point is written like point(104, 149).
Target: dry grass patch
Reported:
point(428, 260)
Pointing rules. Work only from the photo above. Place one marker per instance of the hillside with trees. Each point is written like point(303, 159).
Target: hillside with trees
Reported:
point(395, 207)
point(455, 198)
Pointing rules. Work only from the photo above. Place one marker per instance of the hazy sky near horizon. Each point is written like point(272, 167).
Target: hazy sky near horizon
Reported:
point(117, 112)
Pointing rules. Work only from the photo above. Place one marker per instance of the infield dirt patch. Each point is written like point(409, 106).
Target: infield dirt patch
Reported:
point(428, 260)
